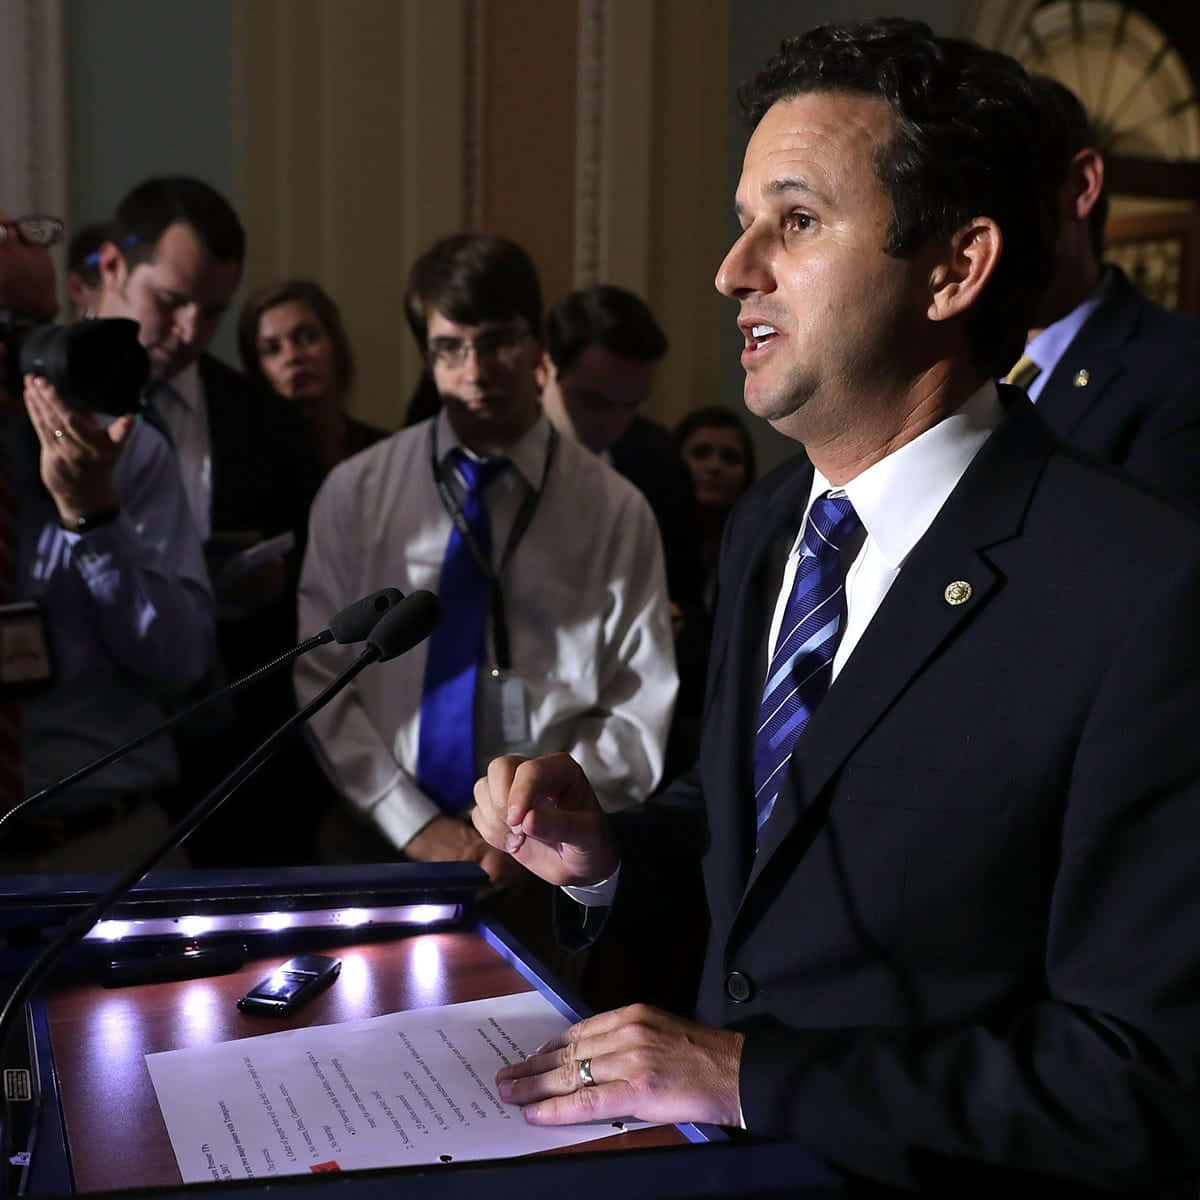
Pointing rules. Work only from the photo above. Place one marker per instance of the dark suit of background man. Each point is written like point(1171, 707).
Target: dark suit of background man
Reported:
point(603, 347)
point(960, 951)
point(173, 263)
point(1112, 372)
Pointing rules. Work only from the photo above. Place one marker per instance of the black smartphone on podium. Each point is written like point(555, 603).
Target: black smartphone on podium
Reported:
point(288, 987)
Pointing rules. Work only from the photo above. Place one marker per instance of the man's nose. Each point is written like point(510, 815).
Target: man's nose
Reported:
point(476, 365)
point(745, 269)
point(187, 323)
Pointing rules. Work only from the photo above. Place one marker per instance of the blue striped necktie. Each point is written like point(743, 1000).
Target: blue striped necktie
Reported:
point(802, 665)
point(446, 738)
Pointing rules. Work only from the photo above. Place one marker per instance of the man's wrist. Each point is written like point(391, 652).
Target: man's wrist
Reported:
point(87, 520)
point(596, 895)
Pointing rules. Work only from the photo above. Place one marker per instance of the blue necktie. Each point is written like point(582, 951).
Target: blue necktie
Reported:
point(446, 743)
point(802, 664)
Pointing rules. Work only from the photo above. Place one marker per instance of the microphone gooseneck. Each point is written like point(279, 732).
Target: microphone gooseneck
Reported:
point(407, 623)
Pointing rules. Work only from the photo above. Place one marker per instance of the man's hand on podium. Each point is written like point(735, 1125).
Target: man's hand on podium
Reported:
point(636, 1062)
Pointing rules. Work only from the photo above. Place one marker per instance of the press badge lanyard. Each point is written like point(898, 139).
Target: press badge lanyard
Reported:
point(516, 533)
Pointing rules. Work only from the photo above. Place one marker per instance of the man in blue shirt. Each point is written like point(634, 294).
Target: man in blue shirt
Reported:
point(107, 573)
point(1111, 372)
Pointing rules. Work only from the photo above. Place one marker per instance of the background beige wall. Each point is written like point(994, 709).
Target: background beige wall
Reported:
point(601, 133)
point(584, 130)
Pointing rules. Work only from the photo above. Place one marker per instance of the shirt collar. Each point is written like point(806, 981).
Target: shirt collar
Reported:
point(527, 454)
point(186, 387)
point(895, 509)
point(1051, 344)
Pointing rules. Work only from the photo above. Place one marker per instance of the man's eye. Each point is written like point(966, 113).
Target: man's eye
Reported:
point(268, 349)
point(798, 222)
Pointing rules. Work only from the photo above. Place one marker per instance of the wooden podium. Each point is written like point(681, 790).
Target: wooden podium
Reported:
point(408, 938)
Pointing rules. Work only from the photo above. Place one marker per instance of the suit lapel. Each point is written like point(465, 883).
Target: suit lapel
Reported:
point(735, 682)
point(916, 618)
point(1092, 361)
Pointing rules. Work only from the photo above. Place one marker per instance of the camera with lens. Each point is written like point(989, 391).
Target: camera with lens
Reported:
point(97, 365)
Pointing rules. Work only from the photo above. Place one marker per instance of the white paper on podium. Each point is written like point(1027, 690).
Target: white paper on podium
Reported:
point(406, 1088)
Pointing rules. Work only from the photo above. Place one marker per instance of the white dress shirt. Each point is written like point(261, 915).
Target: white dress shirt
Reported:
point(182, 405)
point(896, 500)
point(586, 603)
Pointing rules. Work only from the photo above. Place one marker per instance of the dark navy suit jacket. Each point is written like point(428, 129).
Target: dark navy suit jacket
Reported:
point(968, 945)
point(1127, 391)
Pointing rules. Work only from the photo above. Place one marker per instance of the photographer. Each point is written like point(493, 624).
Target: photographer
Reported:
point(103, 594)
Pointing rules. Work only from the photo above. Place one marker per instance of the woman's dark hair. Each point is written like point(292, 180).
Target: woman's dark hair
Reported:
point(83, 251)
point(319, 303)
point(966, 144)
point(718, 418)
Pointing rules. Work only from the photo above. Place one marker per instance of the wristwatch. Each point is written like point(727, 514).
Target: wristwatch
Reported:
point(92, 520)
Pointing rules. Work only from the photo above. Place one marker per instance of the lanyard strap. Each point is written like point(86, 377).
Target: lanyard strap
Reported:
point(519, 526)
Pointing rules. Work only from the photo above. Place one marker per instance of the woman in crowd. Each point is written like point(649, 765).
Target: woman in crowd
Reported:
point(291, 340)
point(716, 446)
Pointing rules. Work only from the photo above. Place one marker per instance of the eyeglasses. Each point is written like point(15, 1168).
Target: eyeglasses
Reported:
point(33, 230)
point(501, 344)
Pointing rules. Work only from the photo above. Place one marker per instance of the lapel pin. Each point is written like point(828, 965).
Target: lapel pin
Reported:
point(958, 592)
point(1082, 377)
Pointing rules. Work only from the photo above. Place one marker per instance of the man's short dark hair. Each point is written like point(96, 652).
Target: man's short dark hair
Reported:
point(604, 315)
point(965, 145)
point(470, 278)
point(153, 206)
point(83, 251)
point(319, 303)
point(1066, 130)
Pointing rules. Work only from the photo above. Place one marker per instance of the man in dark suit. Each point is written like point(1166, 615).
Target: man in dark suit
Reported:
point(947, 781)
point(603, 346)
point(172, 263)
point(1111, 372)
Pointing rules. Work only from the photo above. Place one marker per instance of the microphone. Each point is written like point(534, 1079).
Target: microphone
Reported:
point(353, 624)
point(405, 626)
point(399, 629)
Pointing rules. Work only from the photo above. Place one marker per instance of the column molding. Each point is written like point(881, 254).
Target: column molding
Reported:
point(614, 142)
point(360, 145)
point(33, 99)
point(589, 141)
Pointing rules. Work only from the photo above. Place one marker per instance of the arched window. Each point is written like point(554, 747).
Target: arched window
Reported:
point(1134, 67)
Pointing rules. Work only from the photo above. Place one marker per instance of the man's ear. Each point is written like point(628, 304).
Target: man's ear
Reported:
point(545, 371)
point(113, 268)
point(1086, 182)
point(968, 260)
